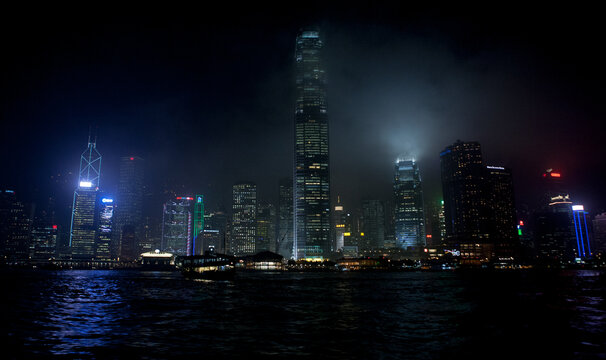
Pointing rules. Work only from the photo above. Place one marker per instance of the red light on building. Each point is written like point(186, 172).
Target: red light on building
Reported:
point(179, 197)
point(555, 174)
point(521, 223)
point(544, 175)
point(54, 227)
point(429, 236)
point(132, 158)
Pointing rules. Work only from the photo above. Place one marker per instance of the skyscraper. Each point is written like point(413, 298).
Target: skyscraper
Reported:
point(465, 208)
point(340, 223)
point(129, 206)
point(502, 213)
point(373, 225)
point(177, 225)
point(105, 216)
point(311, 161)
point(83, 229)
point(15, 228)
point(244, 223)
point(285, 219)
point(409, 209)
point(553, 225)
point(266, 227)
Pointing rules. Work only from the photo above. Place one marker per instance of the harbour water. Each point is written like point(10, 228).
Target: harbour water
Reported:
point(404, 315)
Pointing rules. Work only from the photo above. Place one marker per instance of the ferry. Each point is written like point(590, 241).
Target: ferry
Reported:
point(211, 266)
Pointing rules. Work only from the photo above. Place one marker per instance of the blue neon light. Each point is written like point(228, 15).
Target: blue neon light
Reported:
point(107, 200)
point(576, 230)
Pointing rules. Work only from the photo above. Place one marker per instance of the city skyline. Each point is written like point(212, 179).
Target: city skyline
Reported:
point(398, 83)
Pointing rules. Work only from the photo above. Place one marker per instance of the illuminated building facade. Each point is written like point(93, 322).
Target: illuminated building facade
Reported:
point(341, 225)
point(553, 224)
point(198, 229)
point(502, 212)
point(177, 225)
point(129, 207)
point(582, 232)
point(244, 219)
point(409, 214)
point(311, 161)
point(465, 205)
point(266, 227)
point(15, 228)
point(105, 216)
point(83, 228)
point(215, 232)
point(285, 219)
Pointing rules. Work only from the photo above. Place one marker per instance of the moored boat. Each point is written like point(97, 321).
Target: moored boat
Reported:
point(210, 266)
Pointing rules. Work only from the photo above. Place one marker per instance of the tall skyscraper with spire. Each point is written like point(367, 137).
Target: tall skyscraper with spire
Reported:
point(311, 162)
point(83, 227)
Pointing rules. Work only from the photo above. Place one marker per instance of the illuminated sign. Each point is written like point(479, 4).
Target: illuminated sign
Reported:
point(428, 236)
point(338, 208)
point(577, 208)
point(199, 199)
point(107, 200)
point(132, 158)
point(521, 223)
point(555, 174)
point(86, 184)
point(346, 234)
point(453, 252)
point(361, 234)
point(54, 227)
point(495, 167)
point(184, 198)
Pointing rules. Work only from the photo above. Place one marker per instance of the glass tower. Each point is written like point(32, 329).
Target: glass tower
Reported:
point(244, 223)
point(409, 210)
point(311, 172)
point(83, 229)
point(129, 207)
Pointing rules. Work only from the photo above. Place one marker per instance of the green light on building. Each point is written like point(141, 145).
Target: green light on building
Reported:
point(198, 224)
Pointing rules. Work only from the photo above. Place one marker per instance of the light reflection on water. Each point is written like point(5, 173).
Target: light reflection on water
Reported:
point(419, 315)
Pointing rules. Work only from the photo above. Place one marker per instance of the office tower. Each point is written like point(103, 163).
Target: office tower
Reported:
point(339, 221)
point(583, 248)
point(599, 232)
point(215, 232)
point(129, 207)
point(553, 224)
point(285, 219)
point(502, 212)
point(372, 235)
point(83, 230)
point(15, 228)
point(266, 227)
point(177, 225)
point(45, 232)
point(198, 229)
point(105, 216)
point(311, 164)
point(244, 219)
point(465, 208)
point(409, 210)
point(435, 216)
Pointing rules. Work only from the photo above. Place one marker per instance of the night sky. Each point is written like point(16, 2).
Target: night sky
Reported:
point(207, 97)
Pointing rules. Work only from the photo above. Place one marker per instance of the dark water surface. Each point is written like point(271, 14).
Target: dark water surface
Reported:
point(415, 315)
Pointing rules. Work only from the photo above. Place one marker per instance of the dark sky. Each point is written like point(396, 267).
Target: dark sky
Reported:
point(207, 96)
